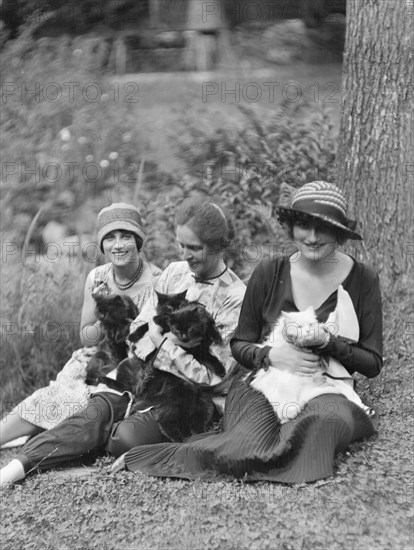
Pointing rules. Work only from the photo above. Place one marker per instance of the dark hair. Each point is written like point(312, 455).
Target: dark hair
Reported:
point(208, 221)
point(288, 224)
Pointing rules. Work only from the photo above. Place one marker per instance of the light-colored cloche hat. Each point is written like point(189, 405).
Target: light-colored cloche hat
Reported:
point(118, 216)
point(321, 201)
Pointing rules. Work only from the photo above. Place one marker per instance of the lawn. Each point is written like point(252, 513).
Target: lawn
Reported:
point(367, 504)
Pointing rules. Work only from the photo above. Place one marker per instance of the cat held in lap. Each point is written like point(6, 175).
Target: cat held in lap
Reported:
point(287, 391)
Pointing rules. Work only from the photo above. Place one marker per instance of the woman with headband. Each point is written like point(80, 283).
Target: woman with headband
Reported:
point(254, 443)
point(203, 231)
point(120, 237)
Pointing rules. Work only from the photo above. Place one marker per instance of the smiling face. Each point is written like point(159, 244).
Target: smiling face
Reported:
point(315, 241)
point(202, 261)
point(120, 247)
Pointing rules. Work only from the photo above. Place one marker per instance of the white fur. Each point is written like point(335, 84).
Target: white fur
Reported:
point(287, 392)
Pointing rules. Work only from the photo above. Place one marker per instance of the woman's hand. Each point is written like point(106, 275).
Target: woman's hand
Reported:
point(318, 336)
point(298, 361)
point(155, 333)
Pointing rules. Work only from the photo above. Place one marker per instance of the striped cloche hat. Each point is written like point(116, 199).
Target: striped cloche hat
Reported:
point(321, 201)
point(118, 216)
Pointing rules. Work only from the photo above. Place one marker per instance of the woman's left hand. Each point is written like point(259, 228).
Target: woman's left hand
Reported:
point(155, 333)
point(316, 337)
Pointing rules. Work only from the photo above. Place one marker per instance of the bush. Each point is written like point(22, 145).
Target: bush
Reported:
point(41, 304)
point(70, 138)
point(248, 170)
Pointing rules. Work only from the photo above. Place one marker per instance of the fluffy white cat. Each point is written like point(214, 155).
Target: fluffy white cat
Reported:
point(288, 392)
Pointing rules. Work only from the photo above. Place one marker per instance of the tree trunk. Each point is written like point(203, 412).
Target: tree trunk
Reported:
point(375, 157)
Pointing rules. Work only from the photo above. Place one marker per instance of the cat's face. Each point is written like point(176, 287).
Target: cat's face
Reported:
point(192, 322)
point(296, 324)
point(168, 303)
point(115, 308)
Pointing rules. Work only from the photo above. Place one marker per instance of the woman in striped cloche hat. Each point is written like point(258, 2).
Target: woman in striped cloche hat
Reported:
point(259, 438)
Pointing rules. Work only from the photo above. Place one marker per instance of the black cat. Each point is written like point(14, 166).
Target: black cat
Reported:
point(192, 322)
point(131, 371)
point(116, 314)
point(181, 407)
point(167, 303)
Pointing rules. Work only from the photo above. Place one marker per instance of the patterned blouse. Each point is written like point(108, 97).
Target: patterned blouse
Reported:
point(222, 298)
point(101, 286)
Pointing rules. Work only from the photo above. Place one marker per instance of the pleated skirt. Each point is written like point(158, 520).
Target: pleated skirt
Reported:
point(252, 445)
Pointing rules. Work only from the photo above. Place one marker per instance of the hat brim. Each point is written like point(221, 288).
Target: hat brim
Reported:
point(286, 214)
point(120, 225)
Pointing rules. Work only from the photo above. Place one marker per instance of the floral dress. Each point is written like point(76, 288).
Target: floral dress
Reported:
point(69, 393)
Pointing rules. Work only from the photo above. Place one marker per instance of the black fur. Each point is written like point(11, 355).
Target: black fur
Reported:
point(115, 313)
point(181, 407)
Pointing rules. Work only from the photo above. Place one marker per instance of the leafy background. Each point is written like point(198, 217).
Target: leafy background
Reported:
point(249, 166)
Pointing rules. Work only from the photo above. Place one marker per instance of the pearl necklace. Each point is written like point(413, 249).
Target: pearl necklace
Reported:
point(134, 279)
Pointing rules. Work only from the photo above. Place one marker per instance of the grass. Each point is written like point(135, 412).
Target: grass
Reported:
point(41, 303)
point(367, 504)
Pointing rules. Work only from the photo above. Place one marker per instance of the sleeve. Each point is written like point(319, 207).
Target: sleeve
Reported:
point(174, 359)
point(364, 357)
point(90, 330)
point(149, 309)
point(249, 329)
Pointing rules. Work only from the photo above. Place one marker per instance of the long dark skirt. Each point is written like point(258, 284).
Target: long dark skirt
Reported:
point(252, 445)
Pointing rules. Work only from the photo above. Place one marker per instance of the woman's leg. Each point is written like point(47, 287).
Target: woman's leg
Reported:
point(13, 426)
point(138, 429)
point(79, 434)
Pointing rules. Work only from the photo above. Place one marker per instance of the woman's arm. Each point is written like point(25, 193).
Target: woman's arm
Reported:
point(250, 325)
point(174, 359)
point(90, 330)
point(364, 357)
point(250, 329)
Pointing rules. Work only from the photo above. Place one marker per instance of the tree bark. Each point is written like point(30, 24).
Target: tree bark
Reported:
point(375, 158)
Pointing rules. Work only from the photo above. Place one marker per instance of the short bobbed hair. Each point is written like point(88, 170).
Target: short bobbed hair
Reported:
point(288, 224)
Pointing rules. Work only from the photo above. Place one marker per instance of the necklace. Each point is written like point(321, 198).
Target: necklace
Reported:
point(131, 282)
point(206, 281)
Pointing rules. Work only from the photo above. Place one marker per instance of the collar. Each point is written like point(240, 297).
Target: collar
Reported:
point(211, 280)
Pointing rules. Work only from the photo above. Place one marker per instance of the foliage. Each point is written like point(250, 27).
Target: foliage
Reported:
point(76, 16)
point(69, 136)
point(245, 170)
point(40, 316)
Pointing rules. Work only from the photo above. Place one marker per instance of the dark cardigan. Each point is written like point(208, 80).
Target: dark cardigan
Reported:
point(269, 292)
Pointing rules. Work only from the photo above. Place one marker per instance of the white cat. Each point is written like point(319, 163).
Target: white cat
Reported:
point(288, 392)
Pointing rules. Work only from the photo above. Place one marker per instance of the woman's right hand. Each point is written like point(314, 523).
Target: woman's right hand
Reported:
point(298, 361)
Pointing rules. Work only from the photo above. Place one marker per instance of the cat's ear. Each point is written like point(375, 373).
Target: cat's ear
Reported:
point(162, 298)
point(117, 300)
point(311, 312)
point(182, 295)
point(99, 298)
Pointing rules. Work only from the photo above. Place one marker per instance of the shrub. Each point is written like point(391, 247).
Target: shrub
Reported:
point(69, 136)
point(41, 303)
point(246, 168)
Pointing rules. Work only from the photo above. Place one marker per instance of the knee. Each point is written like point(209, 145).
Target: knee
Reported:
point(122, 438)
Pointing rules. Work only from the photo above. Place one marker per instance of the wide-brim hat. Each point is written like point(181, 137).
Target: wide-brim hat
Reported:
point(320, 201)
point(119, 216)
